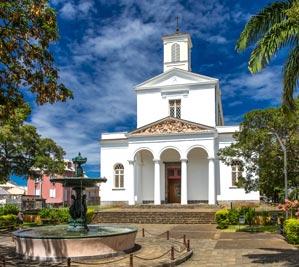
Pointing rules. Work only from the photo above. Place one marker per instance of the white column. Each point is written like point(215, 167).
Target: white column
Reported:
point(131, 182)
point(157, 185)
point(139, 182)
point(184, 190)
point(212, 193)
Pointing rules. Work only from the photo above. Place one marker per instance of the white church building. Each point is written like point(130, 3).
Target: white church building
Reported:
point(172, 155)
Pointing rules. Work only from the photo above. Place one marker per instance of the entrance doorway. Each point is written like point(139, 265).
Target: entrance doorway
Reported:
point(173, 180)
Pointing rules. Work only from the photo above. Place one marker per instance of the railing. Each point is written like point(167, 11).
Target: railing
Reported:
point(184, 246)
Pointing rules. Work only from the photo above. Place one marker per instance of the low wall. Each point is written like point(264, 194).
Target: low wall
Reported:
point(154, 217)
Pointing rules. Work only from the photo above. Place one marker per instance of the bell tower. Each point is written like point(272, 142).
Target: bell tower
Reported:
point(177, 50)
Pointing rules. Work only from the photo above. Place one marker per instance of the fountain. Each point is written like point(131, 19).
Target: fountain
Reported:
point(77, 239)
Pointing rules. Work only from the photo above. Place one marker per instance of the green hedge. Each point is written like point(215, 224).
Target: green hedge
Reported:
point(55, 215)
point(9, 209)
point(291, 230)
point(89, 215)
point(9, 220)
point(227, 217)
point(61, 215)
point(221, 218)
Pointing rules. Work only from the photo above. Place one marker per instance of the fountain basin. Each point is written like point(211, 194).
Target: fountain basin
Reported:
point(55, 242)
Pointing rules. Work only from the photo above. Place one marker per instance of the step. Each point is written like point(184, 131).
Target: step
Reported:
point(173, 206)
point(155, 216)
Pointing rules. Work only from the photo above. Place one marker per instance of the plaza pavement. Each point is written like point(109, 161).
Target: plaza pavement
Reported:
point(211, 247)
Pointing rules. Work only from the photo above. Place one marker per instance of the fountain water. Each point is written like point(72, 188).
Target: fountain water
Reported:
point(77, 239)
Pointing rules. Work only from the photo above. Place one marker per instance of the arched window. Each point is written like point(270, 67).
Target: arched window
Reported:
point(236, 172)
point(175, 52)
point(118, 176)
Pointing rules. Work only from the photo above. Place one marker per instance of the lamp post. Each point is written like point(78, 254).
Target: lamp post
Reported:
point(285, 172)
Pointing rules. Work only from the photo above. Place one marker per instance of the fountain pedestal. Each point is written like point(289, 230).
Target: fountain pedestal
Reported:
point(77, 239)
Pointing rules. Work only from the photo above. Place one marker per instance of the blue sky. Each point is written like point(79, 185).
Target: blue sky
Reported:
point(107, 47)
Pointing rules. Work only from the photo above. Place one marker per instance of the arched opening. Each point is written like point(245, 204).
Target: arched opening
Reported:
point(171, 176)
point(198, 175)
point(144, 173)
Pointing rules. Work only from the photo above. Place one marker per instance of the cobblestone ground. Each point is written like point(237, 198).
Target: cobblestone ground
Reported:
point(210, 246)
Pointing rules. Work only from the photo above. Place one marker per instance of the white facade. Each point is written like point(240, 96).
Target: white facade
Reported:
point(172, 155)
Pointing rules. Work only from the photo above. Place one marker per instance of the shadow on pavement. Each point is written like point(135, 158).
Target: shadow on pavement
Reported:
point(289, 256)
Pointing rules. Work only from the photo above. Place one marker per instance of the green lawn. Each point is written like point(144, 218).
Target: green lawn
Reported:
point(255, 229)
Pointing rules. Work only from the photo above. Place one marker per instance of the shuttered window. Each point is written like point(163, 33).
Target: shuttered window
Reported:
point(175, 52)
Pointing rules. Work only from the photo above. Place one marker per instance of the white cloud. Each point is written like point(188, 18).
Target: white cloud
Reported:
point(113, 54)
point(68, 10)
point(71, 10)
point(263, 86)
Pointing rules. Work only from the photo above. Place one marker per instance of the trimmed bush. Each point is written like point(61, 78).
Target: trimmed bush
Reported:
point(55, 215)
point(9, 209)
point(9, 220)
point(233, 216)
point(222, 218)
point(291, 230)
point(89, 215)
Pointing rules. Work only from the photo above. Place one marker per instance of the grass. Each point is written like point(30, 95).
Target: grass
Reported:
point(254, 229)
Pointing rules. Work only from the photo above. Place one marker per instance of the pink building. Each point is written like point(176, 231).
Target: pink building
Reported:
point(55, 193)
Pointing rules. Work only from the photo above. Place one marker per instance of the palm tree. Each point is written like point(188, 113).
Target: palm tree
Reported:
point(276, 26)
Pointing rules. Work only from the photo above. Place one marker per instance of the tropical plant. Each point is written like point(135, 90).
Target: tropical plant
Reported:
point(274, 27)
point(291, 206)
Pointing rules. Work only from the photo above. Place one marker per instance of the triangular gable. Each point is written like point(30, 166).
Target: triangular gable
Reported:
point(175, 77)
point(170, 125)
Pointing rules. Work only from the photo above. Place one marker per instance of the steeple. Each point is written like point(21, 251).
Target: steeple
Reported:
point(177, 50)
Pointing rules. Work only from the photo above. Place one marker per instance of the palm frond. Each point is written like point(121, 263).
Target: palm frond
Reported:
point(291, 78)
point(280, 34)
point(261, 23)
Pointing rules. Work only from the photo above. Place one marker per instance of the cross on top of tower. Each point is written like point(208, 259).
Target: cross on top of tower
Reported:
point(177, 25)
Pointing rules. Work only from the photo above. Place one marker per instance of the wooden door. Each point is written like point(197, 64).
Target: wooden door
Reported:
point(174, 191)
point(173, 172)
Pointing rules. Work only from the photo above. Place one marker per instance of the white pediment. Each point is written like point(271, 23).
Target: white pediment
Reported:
point(175, 77)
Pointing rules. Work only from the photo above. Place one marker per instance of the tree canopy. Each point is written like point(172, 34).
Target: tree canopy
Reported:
point(275, 27)
point(24, 152)
point(258, 148)
point(27, 28)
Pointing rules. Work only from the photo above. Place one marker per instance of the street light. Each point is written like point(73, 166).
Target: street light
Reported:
point(284, 149)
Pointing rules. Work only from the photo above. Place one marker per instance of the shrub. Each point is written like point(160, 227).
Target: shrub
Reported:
point(45, 213)
point(233, 216)
point(291, 230)
point(249, 214)
point(222, 219)
point(89, 215)
point(8, 220)
point(55, 215)
point(9, 209)
point(63, 215)
point(266, 218)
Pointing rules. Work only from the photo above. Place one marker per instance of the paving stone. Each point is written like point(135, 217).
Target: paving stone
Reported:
point(211, 248)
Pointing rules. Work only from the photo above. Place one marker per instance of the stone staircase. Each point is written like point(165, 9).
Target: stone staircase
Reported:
point(161, 214)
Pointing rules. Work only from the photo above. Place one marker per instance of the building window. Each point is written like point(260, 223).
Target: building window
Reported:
point(119, 176)
point(175, 108)
point(236, 172)
point(37, 192)
point(52, 193)
point(175, 52)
